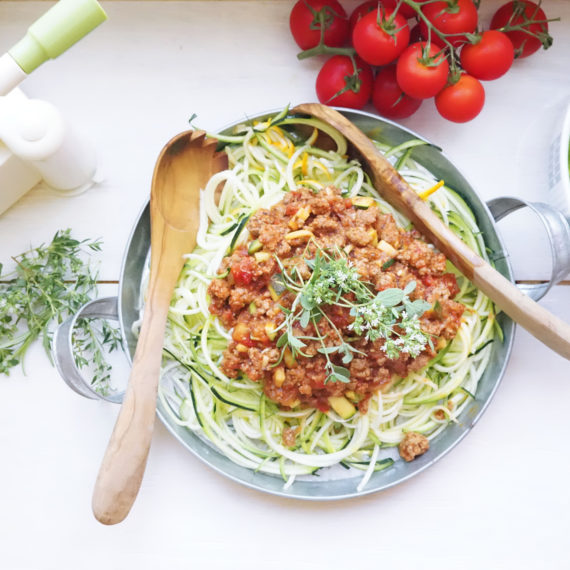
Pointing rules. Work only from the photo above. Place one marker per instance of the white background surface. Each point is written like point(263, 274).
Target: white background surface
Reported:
point(500, 500)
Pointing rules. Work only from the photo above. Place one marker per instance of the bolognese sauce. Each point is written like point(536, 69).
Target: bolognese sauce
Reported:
point(248, 301)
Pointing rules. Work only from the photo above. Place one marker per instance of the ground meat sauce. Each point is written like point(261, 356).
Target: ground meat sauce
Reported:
point(412, 445)
point(385, 256)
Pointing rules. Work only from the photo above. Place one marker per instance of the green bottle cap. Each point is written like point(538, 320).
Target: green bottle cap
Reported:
point(56, 31)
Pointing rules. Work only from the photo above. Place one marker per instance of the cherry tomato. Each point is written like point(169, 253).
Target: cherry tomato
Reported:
point(307, 17)
point(379, 37)
point(242, 272)
point(490, 57)
point(528, 14)
point(418, 76)
point(344, 81)
point(389, 99)
point(457, 19)
point(461, 101)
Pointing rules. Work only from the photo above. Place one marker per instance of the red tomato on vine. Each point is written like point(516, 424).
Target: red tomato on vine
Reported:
point(532, 17)
point(421, 72)
point(453, 19)
point(489, 57)
point(389, 99)
point(344, 81)
point(379, 37)
point(462, 101)
point(308, 17)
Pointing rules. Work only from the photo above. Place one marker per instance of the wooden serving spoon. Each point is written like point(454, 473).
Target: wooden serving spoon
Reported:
point(183, 168)
point(545, 326)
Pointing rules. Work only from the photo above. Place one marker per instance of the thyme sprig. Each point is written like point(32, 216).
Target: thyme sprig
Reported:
point(92, 341)
point(48, 284)
point(334, 280)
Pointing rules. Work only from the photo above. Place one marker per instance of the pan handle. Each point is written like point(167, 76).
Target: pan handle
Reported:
point(62, 348)
point(558, 232)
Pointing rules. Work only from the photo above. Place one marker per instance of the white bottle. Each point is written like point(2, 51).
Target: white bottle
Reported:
point(16, 175)
point(35, 134)
point(16, 178)
point(35, 142)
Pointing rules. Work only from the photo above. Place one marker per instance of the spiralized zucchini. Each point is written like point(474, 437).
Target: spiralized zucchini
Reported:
point(266, 161)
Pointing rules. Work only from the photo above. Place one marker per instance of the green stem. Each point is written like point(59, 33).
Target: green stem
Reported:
point(431, 29)
point(322, 49)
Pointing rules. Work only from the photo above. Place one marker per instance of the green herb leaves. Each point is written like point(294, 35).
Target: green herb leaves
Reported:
point(334, 281)
point(331, 278)
point(48, 284)
point(392, 316)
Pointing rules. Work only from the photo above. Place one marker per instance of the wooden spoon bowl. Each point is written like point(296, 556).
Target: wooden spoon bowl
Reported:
point(183, 168)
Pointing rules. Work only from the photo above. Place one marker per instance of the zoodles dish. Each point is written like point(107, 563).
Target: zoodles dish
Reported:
point(312, 326)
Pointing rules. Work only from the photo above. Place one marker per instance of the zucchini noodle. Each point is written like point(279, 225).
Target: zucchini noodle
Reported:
point(267, 160)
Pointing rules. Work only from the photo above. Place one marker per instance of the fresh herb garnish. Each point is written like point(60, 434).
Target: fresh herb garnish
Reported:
point(392, 316)
point(388, 314)
point(92, 340)
point(48, 284)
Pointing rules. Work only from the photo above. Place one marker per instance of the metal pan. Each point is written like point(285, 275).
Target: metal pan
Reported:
point(125, 309)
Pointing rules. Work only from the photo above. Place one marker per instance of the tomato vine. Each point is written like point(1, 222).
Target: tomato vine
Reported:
point(446, 35)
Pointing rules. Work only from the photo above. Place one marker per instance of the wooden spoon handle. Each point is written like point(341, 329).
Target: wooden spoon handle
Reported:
point(124, 462)
point(542, 324)
point(183, 168)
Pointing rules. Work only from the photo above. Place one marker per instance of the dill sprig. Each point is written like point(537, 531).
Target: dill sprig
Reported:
point(48, 284)
point(387, 314)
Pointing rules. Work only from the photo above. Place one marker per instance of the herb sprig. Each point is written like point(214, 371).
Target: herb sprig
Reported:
point(388, 314)
point(48, 284)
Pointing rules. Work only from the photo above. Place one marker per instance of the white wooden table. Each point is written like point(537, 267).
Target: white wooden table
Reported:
point(501, 499)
